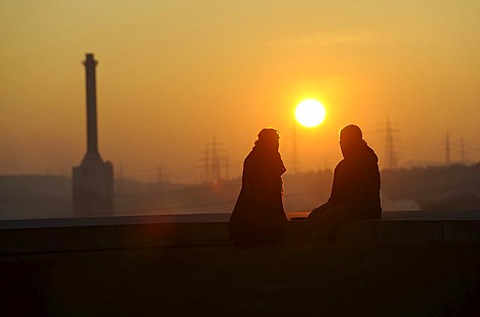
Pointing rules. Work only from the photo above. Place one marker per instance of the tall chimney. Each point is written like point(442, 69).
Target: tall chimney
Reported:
point(93, 178)
point(92, 136)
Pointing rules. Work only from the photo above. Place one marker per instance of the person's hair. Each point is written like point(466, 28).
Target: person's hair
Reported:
point(268, 136)
point(351, 132)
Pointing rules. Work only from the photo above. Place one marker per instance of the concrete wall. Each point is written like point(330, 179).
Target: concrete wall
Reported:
point(176, 234)
point(28, 240)
point(408, 231)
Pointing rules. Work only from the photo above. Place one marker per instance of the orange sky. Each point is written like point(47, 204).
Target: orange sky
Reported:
point(174, 74)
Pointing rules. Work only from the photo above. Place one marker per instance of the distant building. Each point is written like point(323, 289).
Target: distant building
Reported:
point(93, 179)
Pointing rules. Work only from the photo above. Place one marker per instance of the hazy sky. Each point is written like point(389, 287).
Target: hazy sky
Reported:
point(174, 74)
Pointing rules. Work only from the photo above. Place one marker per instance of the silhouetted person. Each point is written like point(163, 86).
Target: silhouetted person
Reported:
point(258, 217)
point(355, 190)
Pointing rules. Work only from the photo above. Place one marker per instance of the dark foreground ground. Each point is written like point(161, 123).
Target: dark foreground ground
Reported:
point(409, 280)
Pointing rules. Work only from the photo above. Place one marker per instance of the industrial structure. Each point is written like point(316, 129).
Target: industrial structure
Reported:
point(93, 179)
point(215, 161)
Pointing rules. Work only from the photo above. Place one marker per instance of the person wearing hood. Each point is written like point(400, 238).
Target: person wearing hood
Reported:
point(258, 217)
point(355, 190)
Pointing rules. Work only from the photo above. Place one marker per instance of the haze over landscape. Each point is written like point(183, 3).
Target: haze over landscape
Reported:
point(140, 224)
point(172, 75)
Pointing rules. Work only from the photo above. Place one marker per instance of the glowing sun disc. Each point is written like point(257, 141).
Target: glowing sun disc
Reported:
point(310, 113)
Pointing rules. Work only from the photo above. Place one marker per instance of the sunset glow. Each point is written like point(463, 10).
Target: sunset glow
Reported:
point(170, 76)
point(310, 113)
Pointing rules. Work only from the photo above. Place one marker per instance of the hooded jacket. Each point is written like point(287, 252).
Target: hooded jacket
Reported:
point(356, 181)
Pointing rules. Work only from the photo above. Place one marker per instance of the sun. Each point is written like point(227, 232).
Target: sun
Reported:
point(310, 113)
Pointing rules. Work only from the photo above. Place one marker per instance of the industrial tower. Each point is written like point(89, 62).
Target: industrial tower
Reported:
point(93, 179)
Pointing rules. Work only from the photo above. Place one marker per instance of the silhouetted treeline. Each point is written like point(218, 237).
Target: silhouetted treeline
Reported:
point(454, 187)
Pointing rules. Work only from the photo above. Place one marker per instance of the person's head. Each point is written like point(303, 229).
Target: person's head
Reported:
point(268, 138)
point(350, 139)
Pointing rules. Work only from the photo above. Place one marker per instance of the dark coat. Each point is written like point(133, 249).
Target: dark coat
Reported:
point(356, 182)
point(258, 215)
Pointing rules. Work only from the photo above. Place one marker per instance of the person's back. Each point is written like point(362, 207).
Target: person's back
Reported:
point(355, 189)
point(356, 180)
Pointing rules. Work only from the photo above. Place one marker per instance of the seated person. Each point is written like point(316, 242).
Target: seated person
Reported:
point(355, 190)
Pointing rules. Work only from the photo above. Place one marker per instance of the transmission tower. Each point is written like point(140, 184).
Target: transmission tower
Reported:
point(447, 149)
point(215, 162)
point(294, 151)
point(462, 151)
point(160, 176)
point(390, 152)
